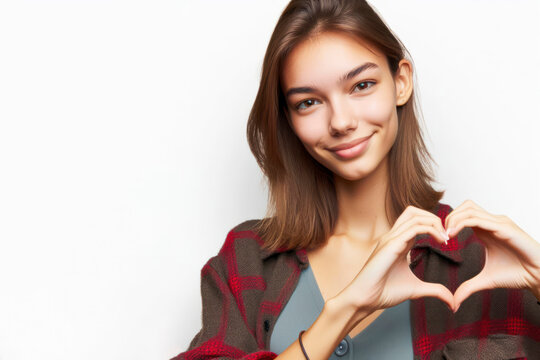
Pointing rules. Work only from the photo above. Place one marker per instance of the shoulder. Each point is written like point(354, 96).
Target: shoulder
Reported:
point(242, 245)
point(242, 238)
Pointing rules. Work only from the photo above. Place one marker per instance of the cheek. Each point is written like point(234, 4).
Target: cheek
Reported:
point(380, 109)
point(309, 131)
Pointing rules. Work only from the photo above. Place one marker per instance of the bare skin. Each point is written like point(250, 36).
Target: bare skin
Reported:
point(364, 266)
point(337, 115)
point(334, 269)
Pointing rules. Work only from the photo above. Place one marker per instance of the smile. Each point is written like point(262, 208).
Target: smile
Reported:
point(353, 151)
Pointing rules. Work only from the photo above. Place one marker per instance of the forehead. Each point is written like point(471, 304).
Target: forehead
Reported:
point(329, 54)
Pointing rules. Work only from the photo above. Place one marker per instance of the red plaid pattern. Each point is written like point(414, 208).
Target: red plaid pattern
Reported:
point(244, 288)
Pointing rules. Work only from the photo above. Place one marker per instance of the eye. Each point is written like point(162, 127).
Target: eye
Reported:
point(310, 101)
point(364, 84)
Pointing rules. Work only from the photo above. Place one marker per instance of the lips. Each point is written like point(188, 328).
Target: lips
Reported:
point(349, 144)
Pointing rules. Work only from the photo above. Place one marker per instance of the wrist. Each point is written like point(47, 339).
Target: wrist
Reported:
point(340, 308)
point(337, 318)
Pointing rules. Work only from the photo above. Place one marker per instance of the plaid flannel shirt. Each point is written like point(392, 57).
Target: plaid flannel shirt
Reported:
point(244, 288)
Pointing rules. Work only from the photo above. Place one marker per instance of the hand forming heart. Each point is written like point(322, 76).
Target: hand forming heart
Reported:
point(512, 256)
point(512, 260)
point(386, 279)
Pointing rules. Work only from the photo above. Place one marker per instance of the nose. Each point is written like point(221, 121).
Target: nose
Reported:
point(342, 119)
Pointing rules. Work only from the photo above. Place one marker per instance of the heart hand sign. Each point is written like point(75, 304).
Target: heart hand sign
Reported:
point(512, 256)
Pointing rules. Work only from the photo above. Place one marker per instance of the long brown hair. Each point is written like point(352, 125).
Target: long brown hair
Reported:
point(302, 208)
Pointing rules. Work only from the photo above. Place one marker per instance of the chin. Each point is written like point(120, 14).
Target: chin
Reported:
point(352, 177)
point(356, 169)
point(352, 174)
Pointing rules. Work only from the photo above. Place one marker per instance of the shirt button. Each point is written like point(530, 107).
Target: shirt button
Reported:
point(342, 348)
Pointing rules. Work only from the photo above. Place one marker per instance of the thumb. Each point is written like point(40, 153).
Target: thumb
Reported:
point(468, 288)
point(436, 290)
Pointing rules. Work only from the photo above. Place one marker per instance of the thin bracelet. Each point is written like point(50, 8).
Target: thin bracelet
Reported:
point(301, 345)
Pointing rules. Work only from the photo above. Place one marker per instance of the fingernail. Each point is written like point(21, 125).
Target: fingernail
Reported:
point(444, 235)
point(449, 231)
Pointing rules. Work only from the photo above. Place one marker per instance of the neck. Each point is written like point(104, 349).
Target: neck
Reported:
point(361, 206)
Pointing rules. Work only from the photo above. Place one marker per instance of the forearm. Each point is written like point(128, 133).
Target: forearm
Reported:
point(334, 322)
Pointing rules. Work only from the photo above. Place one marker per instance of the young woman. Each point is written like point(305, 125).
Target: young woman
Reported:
point(357, 257)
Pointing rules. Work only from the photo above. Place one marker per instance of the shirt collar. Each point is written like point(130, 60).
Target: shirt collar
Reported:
point(422, 242)
point(425, 242)
point(301, 254)
point(452, 251)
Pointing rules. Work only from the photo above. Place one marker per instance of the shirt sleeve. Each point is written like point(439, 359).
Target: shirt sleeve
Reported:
point(224, 334)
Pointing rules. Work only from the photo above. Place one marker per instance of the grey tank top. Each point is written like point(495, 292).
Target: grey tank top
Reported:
point(387, 337)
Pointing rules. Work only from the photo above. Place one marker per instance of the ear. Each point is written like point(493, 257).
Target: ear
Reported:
point(403, 82)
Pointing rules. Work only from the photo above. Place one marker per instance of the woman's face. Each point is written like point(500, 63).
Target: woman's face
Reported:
point(339, 91)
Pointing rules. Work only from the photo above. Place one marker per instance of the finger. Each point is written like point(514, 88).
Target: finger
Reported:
point(435, 290)
point(407, 214)
point(485, 223)
point(410, 213)
point(431, 220)
point(469, 287)
point(397, 246)
point(467, 204)
point(432, 227)
point(469, 213)
point(403, 242)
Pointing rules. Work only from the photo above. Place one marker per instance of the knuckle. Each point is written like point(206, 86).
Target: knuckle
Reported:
point(468, 201)
point(422, 229)
point(415, 208)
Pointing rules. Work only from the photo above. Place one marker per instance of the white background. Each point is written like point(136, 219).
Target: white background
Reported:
point(124, 160)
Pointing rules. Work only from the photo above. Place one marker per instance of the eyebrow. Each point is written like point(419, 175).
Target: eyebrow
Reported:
point(347, 76)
